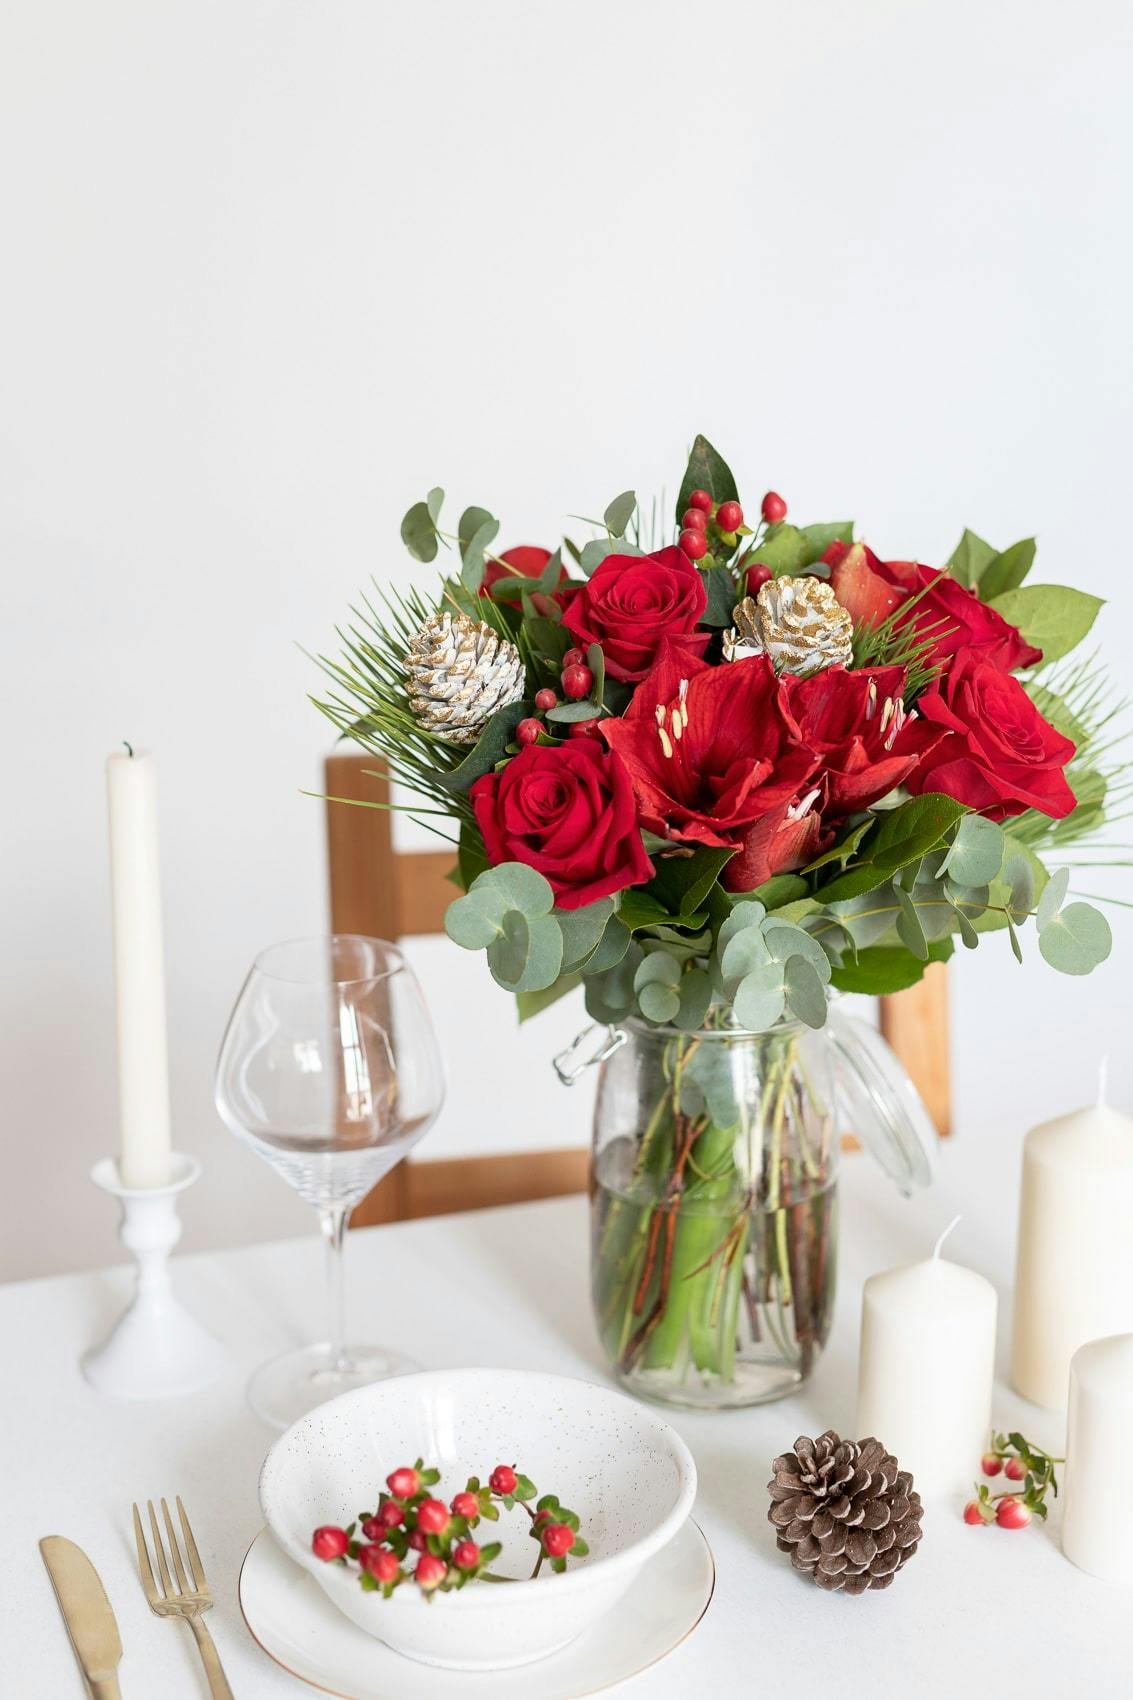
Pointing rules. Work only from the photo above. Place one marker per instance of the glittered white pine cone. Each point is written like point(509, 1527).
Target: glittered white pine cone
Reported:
point(459, 672)
point(798, 622)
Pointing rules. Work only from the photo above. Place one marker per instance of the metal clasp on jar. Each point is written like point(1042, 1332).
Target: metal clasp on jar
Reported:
point(592, 1046)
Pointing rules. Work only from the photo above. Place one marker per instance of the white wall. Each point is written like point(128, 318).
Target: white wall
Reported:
point(272, 269)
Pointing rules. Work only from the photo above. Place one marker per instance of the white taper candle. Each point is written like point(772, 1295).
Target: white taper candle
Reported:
point(139, 972)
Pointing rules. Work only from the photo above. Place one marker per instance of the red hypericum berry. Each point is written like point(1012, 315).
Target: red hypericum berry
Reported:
point(729, 516)
point(694, 544)
point(432, 1516)
point(583, 728)
point(558, 1538)
point(702, 500)
point(1011, 1513)
point(329, 1542)
point(418, 1541)
point(545, 699)
point(430, 1571)
point(542, 1517)
point(972, 1512)
point(403, 1483)
point(1015, 1469)
point(773, 508)
point(577, 681)
point(503, 1479)
point(990, 1464)
point(573, 658)
point(757, 577)
point(528, 731)
point(372, 1529)
point(694, 519)
point(466, 1555)
point(391, 1515)
point(382, 1564)
point(466, 1505)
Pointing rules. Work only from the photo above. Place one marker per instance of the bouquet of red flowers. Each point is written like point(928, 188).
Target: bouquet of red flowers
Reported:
point(725, 765)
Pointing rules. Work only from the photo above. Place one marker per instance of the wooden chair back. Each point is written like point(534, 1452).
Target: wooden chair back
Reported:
point(389, 894)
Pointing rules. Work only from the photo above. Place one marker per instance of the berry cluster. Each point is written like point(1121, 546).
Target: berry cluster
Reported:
point(707, 525)
point(410, 1519)
point(1019, 1461)
point(576, 680)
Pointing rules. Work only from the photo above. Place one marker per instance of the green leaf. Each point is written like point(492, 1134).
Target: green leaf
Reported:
point(529, 1004)
point(596, 661)
point(909, 927)
point(970, 558)
point(521, 888)
point(528, 954)
point(1053, 897)
point(471, 856)
point(470, 522)
point(780, 889)
point(1076, 939)
point(1016, 947)
point(658, 1002)
point(818, 538)
point(706, 470)
point(695, 992)
point(681, 883)
point(886, 968)
point(595, 552)
point(476, 920)
point(721, 589)
point(759, 998)
point(784, 550)
point(1019, 878)
point(855, 882)
point(472, 567)
point(419, 531)
point(911, 830)
point(745, 951)
point(658, 968)
point(806, 997)
point(489, 748)
point(619, 513)
point(582, 929)
point(839, 852)
point(1051, 616)
point(785, 942)
point(612, 946)
point(567, 713)
point(1007, 571)
point(975, 855)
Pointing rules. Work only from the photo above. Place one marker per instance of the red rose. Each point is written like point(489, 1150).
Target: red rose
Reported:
point(856, 724)
point(525, 561)
point(715, 758)
point(954, 618)
point(632, 603)
point(997, 754)
point(567, 811)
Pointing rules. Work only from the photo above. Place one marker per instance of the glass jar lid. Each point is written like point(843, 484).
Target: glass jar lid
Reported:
point(885, 1110)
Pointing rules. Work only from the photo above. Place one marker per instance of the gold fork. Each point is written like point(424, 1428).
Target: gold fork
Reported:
point(183, 1601)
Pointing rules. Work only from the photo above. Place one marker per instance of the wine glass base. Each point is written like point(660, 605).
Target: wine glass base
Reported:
point(286, 1388)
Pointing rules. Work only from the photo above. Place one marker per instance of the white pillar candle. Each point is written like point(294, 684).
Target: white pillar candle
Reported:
point(139, 972)
point(1074, 1276)
point(1095, 1521)
point(926, 1368)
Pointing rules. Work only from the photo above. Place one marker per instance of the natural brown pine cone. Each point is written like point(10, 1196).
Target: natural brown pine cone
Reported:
point(844, 1511)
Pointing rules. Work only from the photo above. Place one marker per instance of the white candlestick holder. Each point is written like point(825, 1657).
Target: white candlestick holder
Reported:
point(156, 1349)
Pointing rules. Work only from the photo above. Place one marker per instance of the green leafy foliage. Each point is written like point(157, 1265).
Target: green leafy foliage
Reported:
point(706, 470)
point(1054, 617)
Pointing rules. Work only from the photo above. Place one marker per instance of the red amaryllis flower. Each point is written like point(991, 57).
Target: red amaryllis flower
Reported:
point(525, 561)
point(954, 618)
point(856, 724)
point(569, 812)
point(716, 758)
point(632, 603)
point(997, 753)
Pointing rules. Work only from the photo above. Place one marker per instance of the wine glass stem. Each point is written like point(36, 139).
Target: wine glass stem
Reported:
point(332, 1221)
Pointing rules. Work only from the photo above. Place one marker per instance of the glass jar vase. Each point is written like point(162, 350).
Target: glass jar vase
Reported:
point(714, 1204)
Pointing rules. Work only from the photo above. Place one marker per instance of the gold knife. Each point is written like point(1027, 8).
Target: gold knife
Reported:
point(87, 1614)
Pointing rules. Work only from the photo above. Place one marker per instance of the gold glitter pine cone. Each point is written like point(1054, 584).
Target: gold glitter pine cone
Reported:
point(459, 672)
point(798, 622)
point(845, 1511)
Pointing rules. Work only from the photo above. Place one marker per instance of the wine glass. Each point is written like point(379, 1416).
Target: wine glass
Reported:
point(330, 1070)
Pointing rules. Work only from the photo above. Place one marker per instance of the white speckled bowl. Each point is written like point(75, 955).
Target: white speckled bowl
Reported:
point(627, 1474)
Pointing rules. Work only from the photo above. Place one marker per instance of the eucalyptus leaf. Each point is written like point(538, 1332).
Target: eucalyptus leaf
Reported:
point(520, 887)
point(619, 513)
point(471, 521)
point(759, 998)
point(695, 998)
point(419, 533)
point(1016, 947)
point(909, 928)
point(786, 942)
point(611, 948)
point(528, 955)
point(1076, 940)
point(582, 929)
point(1019, 878)
point(659, 1002)
point(596, 661)
point(806, 996)
point(656, 968)
point(1053, 897)
point(744, 951)
point(472, 567)
point(975, 855)
point(476, 920)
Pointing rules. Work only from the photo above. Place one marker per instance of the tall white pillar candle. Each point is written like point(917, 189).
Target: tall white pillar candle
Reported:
point(139, 971)
point(1074, 1276)
point(926, 1368)
point(1095, 1519)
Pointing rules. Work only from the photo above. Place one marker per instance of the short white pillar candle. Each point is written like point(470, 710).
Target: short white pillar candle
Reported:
point(1095, 1520)
point(926, 1369)
point(1074, 1276)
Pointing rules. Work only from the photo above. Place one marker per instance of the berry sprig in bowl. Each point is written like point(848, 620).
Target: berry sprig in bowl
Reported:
point(414, 1534)
point(416, 1570)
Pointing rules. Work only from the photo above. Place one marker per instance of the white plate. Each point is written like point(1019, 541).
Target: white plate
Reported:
point(296, 1624)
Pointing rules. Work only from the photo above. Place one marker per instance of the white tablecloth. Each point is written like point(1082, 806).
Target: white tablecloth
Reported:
point(977, 1610)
